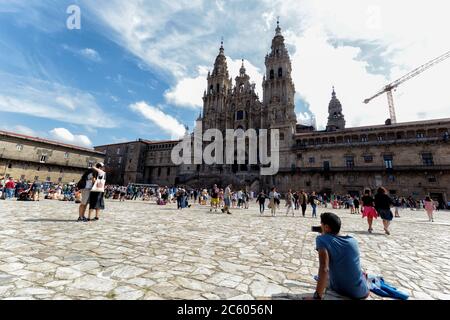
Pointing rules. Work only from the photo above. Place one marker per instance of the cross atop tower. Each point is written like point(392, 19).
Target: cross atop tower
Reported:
point(278, 29)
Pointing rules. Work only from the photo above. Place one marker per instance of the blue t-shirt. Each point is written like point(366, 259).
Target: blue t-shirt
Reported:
point(345, 274)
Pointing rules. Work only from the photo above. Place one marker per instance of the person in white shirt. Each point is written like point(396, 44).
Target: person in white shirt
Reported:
point(96, 201)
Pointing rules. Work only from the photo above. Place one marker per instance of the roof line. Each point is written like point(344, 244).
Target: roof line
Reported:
point(42, 140)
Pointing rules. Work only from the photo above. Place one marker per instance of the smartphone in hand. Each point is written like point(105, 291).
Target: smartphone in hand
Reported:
point(316, 229)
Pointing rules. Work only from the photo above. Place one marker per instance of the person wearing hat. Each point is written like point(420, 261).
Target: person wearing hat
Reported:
point(96, 197)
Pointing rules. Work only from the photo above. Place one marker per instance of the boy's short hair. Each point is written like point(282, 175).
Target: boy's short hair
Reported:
point(332, 220)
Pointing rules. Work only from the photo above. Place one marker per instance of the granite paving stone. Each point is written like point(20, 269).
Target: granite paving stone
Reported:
point(139, 250)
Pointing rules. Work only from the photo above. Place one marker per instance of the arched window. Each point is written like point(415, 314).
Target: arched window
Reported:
point(240, 115)
point(218, 88)
point(272, 74)
point(280, 72)
point(211, 89)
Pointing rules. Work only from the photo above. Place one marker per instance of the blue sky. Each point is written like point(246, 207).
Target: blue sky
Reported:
point(136, 69)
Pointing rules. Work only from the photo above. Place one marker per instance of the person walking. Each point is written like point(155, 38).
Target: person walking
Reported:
point(296, 201)
point(96, 197)
point(313, 203)
point(397, 205)
point(368, 209)
point(227, 199)
point(272, 201)
point(356, 203)
point(179, 196)
point(303, 202)
point(246, 199)
point(383, 205)
point(290, 202)
point(429, 208)
point(351, 204)
point(214, 198)
point(261, 199)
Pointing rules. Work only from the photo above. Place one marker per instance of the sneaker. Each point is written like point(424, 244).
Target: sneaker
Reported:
point(229, 212)
point(80, 219)
point(96, 219)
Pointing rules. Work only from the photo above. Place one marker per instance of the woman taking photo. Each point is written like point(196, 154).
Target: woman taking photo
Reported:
point(96, 201)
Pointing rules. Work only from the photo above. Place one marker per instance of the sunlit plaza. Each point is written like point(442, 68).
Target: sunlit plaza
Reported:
point(138, 250)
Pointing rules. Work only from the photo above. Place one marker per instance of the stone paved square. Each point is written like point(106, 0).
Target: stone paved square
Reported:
point(142, 251)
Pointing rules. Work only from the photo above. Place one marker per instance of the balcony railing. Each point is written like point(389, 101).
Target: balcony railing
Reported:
point(304, 146)
point(403, 168)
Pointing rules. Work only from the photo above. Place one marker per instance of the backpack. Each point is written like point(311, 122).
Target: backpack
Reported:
point(82, 183)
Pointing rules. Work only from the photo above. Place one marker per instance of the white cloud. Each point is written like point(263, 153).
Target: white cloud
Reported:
point(19, 129)
point(64, 135)
point(86, 53)
point(90, 54)
point(318, 66)
point(164, 121)
point(188, 92)
point(51, 100)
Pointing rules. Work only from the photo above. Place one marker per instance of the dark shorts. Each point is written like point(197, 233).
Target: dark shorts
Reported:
point(385, 214)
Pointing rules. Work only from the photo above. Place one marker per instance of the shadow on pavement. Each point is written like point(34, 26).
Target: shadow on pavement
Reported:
point(330, 295)
point(50, 220)
point(366, 233)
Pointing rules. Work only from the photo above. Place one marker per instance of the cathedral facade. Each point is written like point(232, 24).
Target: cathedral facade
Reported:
point(238, 106)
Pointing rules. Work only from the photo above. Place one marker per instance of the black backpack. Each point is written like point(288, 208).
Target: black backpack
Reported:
point(82, 183)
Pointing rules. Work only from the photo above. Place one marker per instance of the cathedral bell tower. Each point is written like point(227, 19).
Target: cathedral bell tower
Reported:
point(214, 98)
point(279, 91)
point(336, 120)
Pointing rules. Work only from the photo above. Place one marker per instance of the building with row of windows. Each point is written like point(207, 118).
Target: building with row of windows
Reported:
point(34, 159)
point(409, 159)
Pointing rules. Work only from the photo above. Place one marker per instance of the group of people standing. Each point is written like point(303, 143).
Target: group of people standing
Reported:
point(294, 201)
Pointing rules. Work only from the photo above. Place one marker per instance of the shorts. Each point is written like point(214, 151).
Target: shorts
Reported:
point(369, 212)
point(85, 196)
point(215, 201)
point(386, 214)
point(227, 202)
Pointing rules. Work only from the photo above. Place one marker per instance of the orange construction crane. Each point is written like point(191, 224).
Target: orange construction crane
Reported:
point(392, 86)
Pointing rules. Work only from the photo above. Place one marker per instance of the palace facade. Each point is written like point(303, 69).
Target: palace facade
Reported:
point(34, 159)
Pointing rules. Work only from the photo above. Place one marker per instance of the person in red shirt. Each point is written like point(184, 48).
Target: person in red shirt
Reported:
point(10, 188)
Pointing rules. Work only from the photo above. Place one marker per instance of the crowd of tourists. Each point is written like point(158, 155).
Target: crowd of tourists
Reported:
point(34, 191)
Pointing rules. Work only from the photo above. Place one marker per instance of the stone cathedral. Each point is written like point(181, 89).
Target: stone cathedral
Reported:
point(228, 106)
